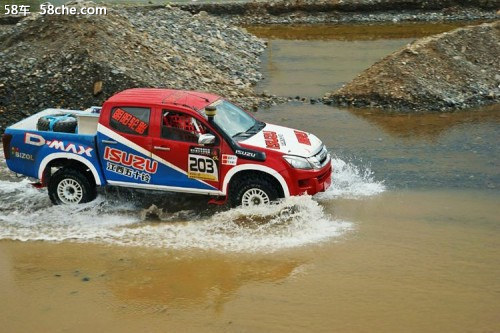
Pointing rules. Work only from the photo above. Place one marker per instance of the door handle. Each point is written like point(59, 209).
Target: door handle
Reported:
point(161, 148)
point(109, 142)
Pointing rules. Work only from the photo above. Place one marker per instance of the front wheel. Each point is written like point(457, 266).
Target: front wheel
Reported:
point(69, 186)
point(252, 190)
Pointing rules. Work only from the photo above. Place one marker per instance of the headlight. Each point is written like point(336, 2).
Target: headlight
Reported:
point(314, 162)
point(298, 162)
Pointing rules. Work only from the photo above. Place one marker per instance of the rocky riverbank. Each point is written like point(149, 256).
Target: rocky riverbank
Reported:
point(453, 70)
point(346, 11)
point(78, 61)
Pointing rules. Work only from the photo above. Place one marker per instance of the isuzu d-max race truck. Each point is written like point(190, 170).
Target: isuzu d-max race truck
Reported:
point(170, 140)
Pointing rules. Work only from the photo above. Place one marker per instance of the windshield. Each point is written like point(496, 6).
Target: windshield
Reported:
point(234, 121)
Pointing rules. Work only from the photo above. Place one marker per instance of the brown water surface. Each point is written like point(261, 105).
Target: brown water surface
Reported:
point(354, 32)
point(406, 240)
point(311, 60)
point(418, 261)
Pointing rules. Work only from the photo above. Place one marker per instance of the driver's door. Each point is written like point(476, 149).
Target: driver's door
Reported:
point(185, 164)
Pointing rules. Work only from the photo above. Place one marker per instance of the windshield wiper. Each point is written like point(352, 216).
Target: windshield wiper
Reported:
point(241, 133)
point(252, 130)
point(256, 127)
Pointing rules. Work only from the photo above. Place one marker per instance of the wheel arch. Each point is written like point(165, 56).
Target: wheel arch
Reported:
point(66, 159)
point(240, 170)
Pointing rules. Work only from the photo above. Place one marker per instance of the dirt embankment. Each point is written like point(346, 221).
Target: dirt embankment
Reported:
point(453, 70)
point(78, 61)
point(344, 11)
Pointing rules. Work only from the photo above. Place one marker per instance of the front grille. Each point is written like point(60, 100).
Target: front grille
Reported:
point(322, 156)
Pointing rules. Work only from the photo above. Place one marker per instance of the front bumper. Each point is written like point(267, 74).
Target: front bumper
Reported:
point(309, 181)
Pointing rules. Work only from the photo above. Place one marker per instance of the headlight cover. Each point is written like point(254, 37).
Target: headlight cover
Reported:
point(298, 162)
point(308, 163)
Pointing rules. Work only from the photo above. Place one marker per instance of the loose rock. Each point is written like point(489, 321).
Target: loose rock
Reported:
point(345, 11)
point(77, 61)
point(448, 71)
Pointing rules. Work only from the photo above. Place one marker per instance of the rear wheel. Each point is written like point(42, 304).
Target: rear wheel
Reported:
point(69, 186)
point(252, 190)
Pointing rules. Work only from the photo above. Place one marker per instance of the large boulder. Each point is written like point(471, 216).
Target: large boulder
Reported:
point(453, 70)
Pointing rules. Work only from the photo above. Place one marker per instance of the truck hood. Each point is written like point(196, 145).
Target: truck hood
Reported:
point(286, 140)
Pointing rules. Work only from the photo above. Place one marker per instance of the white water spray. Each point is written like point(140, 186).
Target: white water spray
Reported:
point(26, 214)
point(351, 181)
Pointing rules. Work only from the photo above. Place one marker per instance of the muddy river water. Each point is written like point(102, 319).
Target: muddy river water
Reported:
point(406, 240)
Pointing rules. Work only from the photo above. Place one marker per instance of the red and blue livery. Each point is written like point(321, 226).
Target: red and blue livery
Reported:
point(171, 140)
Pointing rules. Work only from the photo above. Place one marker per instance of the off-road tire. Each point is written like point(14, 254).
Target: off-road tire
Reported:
point(67, 125)
point(242, 184)
point(43, 124)
point(72, 178)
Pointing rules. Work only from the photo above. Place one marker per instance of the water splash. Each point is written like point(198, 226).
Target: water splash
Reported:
point(270, 228)
point(27, 215)
point(351, 181)
point(178, 222)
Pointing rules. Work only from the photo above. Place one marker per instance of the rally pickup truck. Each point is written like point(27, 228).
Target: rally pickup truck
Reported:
point(171, 140)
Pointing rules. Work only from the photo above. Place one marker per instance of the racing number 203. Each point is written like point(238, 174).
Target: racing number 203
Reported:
point(199, 164)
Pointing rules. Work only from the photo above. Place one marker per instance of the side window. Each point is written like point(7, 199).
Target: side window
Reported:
point(130, 120)
point(181, 127)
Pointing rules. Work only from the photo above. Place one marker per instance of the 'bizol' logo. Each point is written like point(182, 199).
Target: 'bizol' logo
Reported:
point(38, 140)
point(21, 155)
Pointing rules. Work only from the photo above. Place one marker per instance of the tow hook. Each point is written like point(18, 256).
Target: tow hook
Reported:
point(37, 185)
point(218, 201)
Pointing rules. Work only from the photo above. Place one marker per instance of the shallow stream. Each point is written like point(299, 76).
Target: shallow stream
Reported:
point(406, 240)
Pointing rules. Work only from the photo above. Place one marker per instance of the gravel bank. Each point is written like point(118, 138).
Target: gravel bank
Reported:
point(78, 61)
point(347, 11)
point(453, 70)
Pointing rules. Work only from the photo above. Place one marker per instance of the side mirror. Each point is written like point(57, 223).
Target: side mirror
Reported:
point(206, 139)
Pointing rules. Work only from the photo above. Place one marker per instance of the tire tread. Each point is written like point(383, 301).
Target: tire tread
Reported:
point(246, 181)
point(89, 189)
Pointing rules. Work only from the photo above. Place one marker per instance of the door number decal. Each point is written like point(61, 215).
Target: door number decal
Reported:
point(202, 163)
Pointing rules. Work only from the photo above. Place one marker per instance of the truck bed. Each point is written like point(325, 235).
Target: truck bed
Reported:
point(31, 150)
point(87, 120)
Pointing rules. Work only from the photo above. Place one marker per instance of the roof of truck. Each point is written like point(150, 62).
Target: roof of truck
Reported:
point(191, 99)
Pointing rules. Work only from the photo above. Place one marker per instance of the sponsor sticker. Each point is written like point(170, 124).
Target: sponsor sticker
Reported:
point(282, 140)
point(202, 163)
point(245, 153)
point(229, 159)
point(38, 140)
point(271, 139)
point(24, 156)
point(302, 137)
point(132, 122)
point(128, 172)
point(129, 165)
